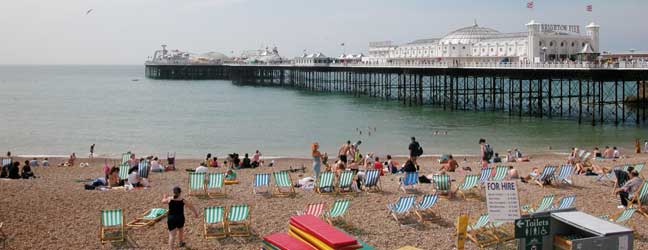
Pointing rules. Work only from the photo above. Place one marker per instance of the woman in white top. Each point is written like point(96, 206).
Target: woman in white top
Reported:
point(155, 165)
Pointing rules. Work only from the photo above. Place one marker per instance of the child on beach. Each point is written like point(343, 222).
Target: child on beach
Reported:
point(230, 175)
point(176, 218)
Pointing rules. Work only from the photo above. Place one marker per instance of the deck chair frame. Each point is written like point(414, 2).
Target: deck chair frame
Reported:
point(143, 221)
point(222, 233)
point(338, 210)
point(345, 182)
point(564, 175)
point(641, 199)
point(423, 208)
point(277, 190)
point(482, 235)
point(238, 227)
point(215, 190)
point(120, 229)
point(409, 179)
point(402, 207)
point(469, 185)
point(197, 188)
point(546, 175)
point(260, 180)
point(371, 181)
point(326, 180)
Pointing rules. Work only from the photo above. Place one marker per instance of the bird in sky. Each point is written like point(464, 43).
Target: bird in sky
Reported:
point(88, 11)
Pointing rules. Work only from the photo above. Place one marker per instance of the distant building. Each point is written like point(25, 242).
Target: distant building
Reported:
point(165, 56)
point(540, 43)
point(349, 58)
point(261, 56)
point(315, 59)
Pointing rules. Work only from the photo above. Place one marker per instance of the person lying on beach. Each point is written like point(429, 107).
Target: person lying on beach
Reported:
point(230, 175)
point(450, 165)
point(497, 158)
point(518, 156)
point(512, 173)
point(69, 162)
point(534, 173)
point(176, 218)
point(112, 181)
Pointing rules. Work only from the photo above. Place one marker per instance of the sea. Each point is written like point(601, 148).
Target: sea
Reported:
point(56, 110)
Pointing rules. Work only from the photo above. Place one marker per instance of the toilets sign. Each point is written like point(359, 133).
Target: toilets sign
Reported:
point(502, 200)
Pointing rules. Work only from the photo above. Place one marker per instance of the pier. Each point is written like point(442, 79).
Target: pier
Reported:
point(589, 94)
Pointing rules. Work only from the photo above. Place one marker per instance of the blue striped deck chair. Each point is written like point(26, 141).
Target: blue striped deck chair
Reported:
point(197, 184)
point(324, 184)
point(216, 185)
point(345, 182)
point(565, 202)
point(125, 158)
point(544, 204)
point(214, 222)
point(112, 225)
point(470, 183)
point(424, 207)
point(410, 179)
point(5, 162)
point(149, 218)
point(564, 175)
point(371, 181)
point(261, 180)
point(545, 176)
point(143, 169)
point(337, 211)
point(480, 231)
point(485, 175)
point(283, 184)
point(401, 207)
point(123, 171)
point(609, 176)
point(238, 220)
point(500, 173)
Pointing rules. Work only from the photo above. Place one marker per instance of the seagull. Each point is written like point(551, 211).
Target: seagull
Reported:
point(88, 11)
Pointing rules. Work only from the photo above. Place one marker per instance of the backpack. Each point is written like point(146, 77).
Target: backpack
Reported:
point(488, 152)
point(420, 151)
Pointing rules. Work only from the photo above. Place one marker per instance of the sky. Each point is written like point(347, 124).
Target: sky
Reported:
point(127, 31)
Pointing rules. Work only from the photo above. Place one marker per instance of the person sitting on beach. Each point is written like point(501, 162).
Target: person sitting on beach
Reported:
point(571, 159)
point(230, 175)
point(534, 173)
point(379, 166)
point(607, 153)
point(133, 161)
point(27, 171)
point(112, 180)
point(256, 159)
point(392, 165)
point(106, 169)
point(176, 218)
point(14, 170)
point(156, 166)
point(69, 162)
point(615, 153)
point(133, 178)
point(353, 166)
point(512, 173)
point(327, 166)
point(208, 159)
point(246, 163)
point(497, 158)
point(518, 156)
point(202, 168)
point(597, 153)
point(450, 166)
point(45, 162)
point(339, 167)
point(628, 190)
point(214, 162)
point(34, 163)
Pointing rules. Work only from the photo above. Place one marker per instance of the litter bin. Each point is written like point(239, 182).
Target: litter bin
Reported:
point(575, 230)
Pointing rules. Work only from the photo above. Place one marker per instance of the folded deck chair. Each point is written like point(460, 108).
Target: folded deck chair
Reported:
point(565, 202)
point(261, 180)
point(123, 171)
point(112, 226)
point(125, 158)
point(546, 176)
point(324, 184)
point(337, 211)
point(143, 169)
point(238, 220)
point(641, 199)
point(409, 180)
point(402, 207)
point(371, 181)
point(480, 232)
point(469, 184)
point(500, 173)
point(314, 209)
point(485, 175)
point(149, 218)
point(216, 185)
point(544, 204)
point(424, 207)
point(564, 174)
point(214, 222)
point(197, 184)
point(345, 181)
point(282, 181)
point(441, 183)
point(623, 217)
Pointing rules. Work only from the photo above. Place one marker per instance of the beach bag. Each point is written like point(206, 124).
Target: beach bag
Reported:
point(488, 152)
point(424, 179)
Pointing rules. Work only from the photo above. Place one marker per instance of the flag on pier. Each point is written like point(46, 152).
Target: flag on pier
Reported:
point(588, 8)
point(530, 5)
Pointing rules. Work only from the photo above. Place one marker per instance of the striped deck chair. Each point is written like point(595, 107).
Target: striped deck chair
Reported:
point(125, 158)
point(544, 204)
point(5, 162)
point(585, 157)
point(485, 175)
point(371, 180)
point(238, 220)
point(546, 176)
point(314, 209)
point(609, 176)
point(401, 207)
point(639, 167)
point(123, 171)
point(500, 173)
point(112, 225)
point(441, 183)
point(214, 222)
point(143, 169)
point(424, 207)
point(641, 198)
point(197, 184)
point(261, 180)
point(565, 202)
point(337, 211)
point(282, 181)
point(149, 218)
point(623, 217)
point(480, 232)
point(324, 184)
point(469, 184)
point(345, 181)
point(216, 185)
point(409, 180)
point(564, 175)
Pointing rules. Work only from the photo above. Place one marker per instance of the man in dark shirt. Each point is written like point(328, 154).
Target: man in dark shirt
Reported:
point(14, 171)
point(409, 166)
point(246, 162)
point(415, 150)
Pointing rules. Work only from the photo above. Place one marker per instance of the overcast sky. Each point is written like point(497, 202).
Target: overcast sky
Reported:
point(127, 31)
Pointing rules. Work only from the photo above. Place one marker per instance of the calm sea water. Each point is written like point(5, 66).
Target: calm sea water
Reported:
point(55, 110)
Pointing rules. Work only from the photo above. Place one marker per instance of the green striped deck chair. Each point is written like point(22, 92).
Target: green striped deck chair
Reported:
point(196, 183)
point(480, 232)
point(623, 217)
point(123, 171)
point(238, 220)
point(261, 180)
point(337, 211)
point(639, 167)
point(500, 173)
point(149, 218)
point(544, 204)
point(345, 181)
point(112, 225)
point(283, 184)
point(216, 185)
point(641, 198)
point(371, 181)
point(125, 158)
point(565, 202)
point(469, 184)
point(214, 222)
point(441, 183)
point(324, 184)
point(143, 169)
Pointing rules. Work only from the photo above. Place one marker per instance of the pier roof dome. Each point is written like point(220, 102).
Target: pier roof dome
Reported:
point(215, 56)
point(469, 35)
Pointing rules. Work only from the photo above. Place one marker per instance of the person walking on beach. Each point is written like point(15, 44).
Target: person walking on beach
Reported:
point(317, 159)
point(485, 152)
point(344, 150)
point(415, 150)
point(176, 218)
point(92, 151)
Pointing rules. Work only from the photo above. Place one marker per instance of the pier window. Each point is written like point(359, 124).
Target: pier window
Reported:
point(573, 44)
point(562, 44)
point(550, 44)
